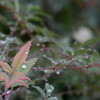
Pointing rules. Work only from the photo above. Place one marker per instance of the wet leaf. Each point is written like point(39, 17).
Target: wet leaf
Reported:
point(21, 56)
point(28, 64)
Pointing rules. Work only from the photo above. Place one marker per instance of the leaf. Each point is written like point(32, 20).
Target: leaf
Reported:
point(90, 42)
point(80, 52)
point(53, 98)
point(40, 90)
point(5, 67)
point(5, 78)
point(95, 54)
point(21, 56)
point(49, 89)
point(18, 77)
point(76, 45)
point(20, 84)
point(69, 52)
point(28, 64)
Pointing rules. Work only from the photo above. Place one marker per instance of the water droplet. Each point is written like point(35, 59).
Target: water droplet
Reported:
point(38, 44)
point(49, 91)
point(81, 48)
point(44, 55)
point(46, 71)
point(72, 53)
point(26, 53)
point(8, 92)
point(24, 66)
point(80, 60)
point(58, 72)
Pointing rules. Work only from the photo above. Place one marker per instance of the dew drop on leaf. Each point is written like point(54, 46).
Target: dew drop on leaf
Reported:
point(26, 53)
point(49, 90)
point(24, 66)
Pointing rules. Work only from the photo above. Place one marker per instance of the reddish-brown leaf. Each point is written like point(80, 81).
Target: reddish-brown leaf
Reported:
point(21, 56)
point(18, 77)
point(5, 66)
point(5, 78)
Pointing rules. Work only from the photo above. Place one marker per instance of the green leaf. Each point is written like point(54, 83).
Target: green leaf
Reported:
point(49, 89)
point(76, 45)
point(20, 84)
point(80, 52)
point(28, 65)
point(90, 42)
point(53, 98)
point(69, 53)
point(40, 90)
point(96, 54)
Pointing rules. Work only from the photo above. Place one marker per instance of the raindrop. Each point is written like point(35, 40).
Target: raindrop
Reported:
point(38, 44)
point(72, 53)
point(8, 92)
point(24, 66)
point(46, 71)
point(58, 72)
point(49, 91)
point(81, 48)
point(26, 53)
point(44, 55)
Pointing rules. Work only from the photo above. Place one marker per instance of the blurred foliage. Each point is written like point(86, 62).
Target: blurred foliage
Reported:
point(51, 24)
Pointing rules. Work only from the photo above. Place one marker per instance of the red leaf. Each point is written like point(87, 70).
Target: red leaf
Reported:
point(5, 78)
point(18, 77)
point(5, 66)
point(21, 56)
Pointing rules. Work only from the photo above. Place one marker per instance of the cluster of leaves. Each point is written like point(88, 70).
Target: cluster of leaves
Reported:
point(55, 56)
point(16, 75)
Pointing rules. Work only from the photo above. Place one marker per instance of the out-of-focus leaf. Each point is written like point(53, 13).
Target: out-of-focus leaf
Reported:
point(40, 90)
point(80, 52)
point(90, 42)
point(69, 52)
point(96, 54)
point(20, 57)
point(53, 98)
